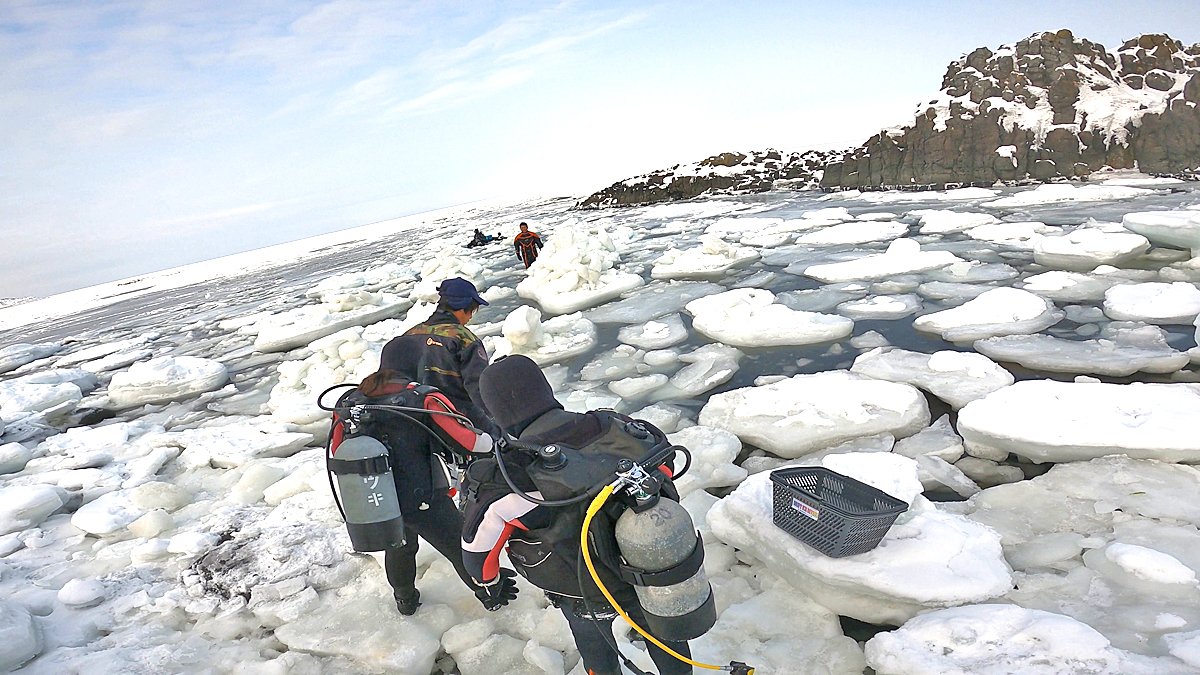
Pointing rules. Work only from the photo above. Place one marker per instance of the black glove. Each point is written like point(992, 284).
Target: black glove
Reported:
point(500, 592)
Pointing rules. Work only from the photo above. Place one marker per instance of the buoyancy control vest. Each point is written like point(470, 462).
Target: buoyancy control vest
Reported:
point(419, 445)
point(549, 556)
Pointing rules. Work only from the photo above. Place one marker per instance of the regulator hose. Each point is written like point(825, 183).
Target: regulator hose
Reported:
point(735, 667)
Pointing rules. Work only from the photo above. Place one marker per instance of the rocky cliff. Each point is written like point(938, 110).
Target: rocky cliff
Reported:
point(727, 173)
point(1049, 106)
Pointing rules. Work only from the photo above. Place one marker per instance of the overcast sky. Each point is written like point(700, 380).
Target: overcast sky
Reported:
point(138, 136)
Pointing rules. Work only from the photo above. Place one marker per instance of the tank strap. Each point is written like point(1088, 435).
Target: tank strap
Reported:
point(678, 574)
point(363, 467)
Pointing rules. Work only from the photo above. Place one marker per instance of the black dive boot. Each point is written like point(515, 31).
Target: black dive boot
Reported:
point(408, 604)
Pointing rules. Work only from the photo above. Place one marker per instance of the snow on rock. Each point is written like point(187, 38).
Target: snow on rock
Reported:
point(1002, 640)
point(750, 317)
point(166, 378)
point(300, 326)
point(15, 356)
point(26, 506)
point(776, 631)
point(1123, 349)
point(711, 260)
point(713, 452)
point(559, 338)
point(880, 307)
point(652, 301)
point(1173, 228)
point(1065, 286)
point(1175, 303)
point(1000, 311)
point(903, 256)
point(854, 233)
point(1020, 236)
point(1049, 421)
point(798, 415)
point(656, 333)
point(1085, 248)
point(20, 639)
point(575, 270)
point(955, 377)
point(928, 559)
point(937, 221)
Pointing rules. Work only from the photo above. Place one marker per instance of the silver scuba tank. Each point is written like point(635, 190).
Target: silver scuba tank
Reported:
point(368, 494)
point(665, 557)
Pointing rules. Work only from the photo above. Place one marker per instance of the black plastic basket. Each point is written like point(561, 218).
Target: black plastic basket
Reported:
point(835, 514)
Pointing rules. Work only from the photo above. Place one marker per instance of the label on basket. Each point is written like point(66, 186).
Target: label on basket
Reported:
point(805, 509)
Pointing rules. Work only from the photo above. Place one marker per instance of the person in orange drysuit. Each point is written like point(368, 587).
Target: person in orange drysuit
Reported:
point(527, 244)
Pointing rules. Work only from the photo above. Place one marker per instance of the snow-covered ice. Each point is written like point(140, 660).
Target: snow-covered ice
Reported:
point(937, 221)
point(750, 317)
point(1000, 311)
point(711, 260)
point(955, 377)
point(1175, 303)
point(803, 413)
point(880, 307)
point(576, 270)
point(1086, 248)
point(15, 356)
point(545, 342)
point(903, 256)
point(1123, 349)
point(165, 378)
point(1173, 228)
point(656, 333)
point(1049, 421)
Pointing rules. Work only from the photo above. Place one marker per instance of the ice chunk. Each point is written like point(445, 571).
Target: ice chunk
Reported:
point(1173, 228)
point(115, 361)
point(708, 366)
point(988, 472)
point(545, 342)
point(903, 256)
point(937, 221)
point(656, 333)
point(713, 452)
point(152, 524)
point(868, 340)
point(823, 298)
point(104, 349)
point(15, 356)
point(854, 233)
point(13, 457)
point(384, 277)
point(1086, 248)
point(1070, 286)
point(1149, 564)
point(928, 559)
point(1002, 640)
point(1045, 420)
point(711, 260)
point(1020, 236)
point(236, 444)
point(1051, 193)
point(652, 301)
point(795, 416)
point(938, 440)
point(999, 311)
point(955, 292)
point(26, 506)
point(108, 514)
point(303, 325)
point(665, 417)
point(1123, 350)
point(1176, 303)
point(972, 272)
point(1185, 647)
point(881, 307)
point(166, 378)
point(81, 593)
point(776, 631)
point(20, 639)
point(22, 396)
point(622, 362)
point(955, 377)
point(749, 317)
point(575, 270)
point(635, 388)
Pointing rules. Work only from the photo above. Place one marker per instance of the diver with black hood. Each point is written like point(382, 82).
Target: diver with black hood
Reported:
point(535, 500)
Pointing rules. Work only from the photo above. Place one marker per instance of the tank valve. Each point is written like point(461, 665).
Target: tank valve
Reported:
point(552, 457)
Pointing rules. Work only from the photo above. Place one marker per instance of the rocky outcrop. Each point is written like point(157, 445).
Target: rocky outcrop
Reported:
point(727, 173)
point(1049, 107)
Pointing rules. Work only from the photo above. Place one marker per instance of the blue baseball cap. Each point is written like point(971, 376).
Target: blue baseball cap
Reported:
point(459, 293)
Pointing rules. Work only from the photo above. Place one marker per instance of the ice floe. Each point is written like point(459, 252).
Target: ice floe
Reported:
point(999, 311)
point(936, 221)
point(1123, 349)
point(575, 270)
point(656, 333)
point(955, 377)
point(1086, 248)
point(166, 378)
point(15, 356)
point(750, 317)
point(545, 342)
point(1174, 303)
point(903, 256)
point(1173, 228)
point(711, 260)
point(803, 413)
point(1049, 421)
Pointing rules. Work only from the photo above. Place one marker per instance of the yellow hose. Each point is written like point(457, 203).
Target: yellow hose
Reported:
point(592, 510)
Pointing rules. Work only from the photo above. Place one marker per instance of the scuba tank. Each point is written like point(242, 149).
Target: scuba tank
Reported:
point(675, 595)
point(368, 494)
